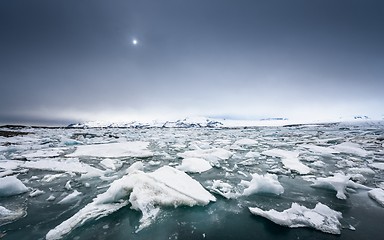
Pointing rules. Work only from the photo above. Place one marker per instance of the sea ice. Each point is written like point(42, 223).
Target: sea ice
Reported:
point(114, 150)
point(351, 148)
point(147, 192)
point(194, 165)
point(267, 183)
point(10, 185)
point(321, 218)
point(70, 198)
point(245, 142)
point(339, 182)
point(112, 164)
point(289, 159)
point(377, 194)
point(319, 149)
point(224, 189)
point(377, 165)
point(207, 154)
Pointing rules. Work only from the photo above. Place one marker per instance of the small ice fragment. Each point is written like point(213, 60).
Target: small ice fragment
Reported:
point(377, 194)
point(267, 183)
point(70, 198)
point(36, 192)
point(321, 218)
point(68, 185)
point(51, 198)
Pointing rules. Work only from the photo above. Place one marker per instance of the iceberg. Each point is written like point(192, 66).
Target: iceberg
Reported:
point(147, 192)
point(321, 218)
point(10, 185)
point(267, 183)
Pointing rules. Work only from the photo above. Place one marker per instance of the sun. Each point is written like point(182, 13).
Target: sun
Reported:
point(134, 41)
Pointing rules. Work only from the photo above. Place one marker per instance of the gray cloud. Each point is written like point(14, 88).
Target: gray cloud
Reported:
point(74, 59)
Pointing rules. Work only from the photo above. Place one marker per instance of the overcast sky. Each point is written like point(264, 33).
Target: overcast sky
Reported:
point(75, 60)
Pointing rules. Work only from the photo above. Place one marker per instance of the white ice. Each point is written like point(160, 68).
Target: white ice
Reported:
point(114, 150)
point(207, 154)
point(245, 142)
point(377, 165)
point(339, 182)
point(146, 192)
point(351, 148)
point(44, 153)
point(10, 185)
point(377, 194)
point(321, 218)
point(70, 198)
point(289, 159)
point(267, 183)
point(194, 165)
point(319, 149)
point(224, 189)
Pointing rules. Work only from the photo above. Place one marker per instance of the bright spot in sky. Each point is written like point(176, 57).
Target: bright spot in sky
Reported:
point(135, 42)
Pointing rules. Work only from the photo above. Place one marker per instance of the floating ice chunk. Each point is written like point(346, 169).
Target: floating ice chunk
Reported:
point(289, 159)
point(321, 218)
point(251, 154)
point(112, 164)
point(207, 154)
point(319, 149)
point(114, 150)
point(44, 153)
point(51, 198)
point(134, 167)
point(338, 183)
point(10, 164)
point(224, 189)
point(245, 142)
point(11, 186)
point(70, 198)
point(6, 173)
point(51, 177)
point(194, 165)
point(147, 192)
point(36, 192)
point(377, 194)
point(377, 165)
point(68, 185)
point(67, 165)
point(362, 170)
point(351, 148)
point(7, 216)
point(267, 183)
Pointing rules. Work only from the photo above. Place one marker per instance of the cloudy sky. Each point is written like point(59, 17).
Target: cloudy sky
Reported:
point(75, 60)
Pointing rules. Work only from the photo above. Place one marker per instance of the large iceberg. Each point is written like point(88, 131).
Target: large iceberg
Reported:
point(147, 192)
point(320, 218)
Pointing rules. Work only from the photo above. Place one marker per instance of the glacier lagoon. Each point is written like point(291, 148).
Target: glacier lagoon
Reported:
point(65, 169)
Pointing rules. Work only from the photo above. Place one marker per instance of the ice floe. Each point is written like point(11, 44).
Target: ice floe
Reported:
point(377, 165)
point(70, 198)
point(289, 159)
point(351, 148)
point(321, 218)
point(207, 154)
point(377, 194)
point(10, 185)
point(114, 150)
point(339, 182)
point(267, 183)
point(245, 142)
point(194, 165)
point(147, 192)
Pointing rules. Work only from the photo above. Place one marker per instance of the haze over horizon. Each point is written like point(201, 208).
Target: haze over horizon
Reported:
point(70, 61)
